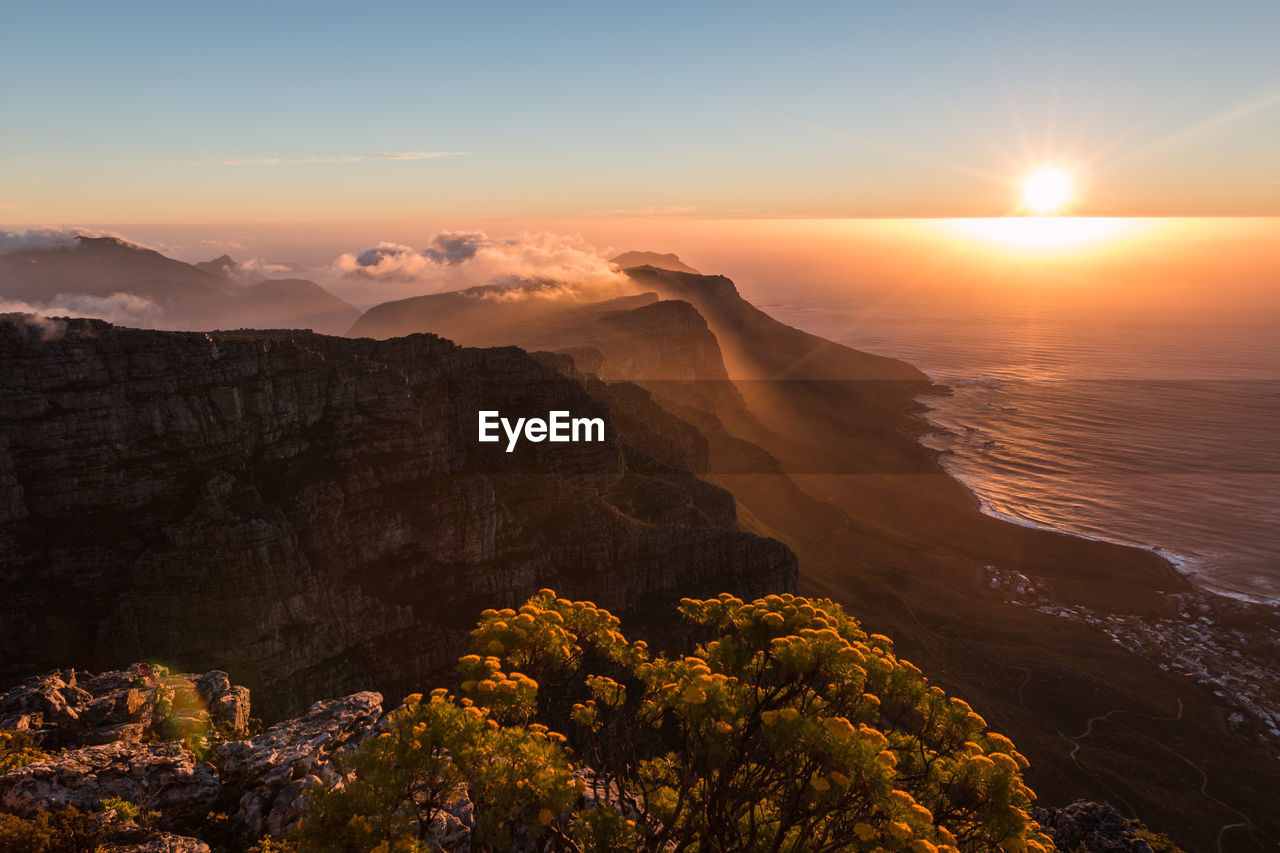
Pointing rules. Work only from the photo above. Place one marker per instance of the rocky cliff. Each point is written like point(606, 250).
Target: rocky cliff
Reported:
point(314, 512)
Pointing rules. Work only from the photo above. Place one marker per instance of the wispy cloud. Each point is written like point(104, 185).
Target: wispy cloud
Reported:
point(344, 158)
point(417, 155)
point(1241, 112)
point(224, 245)
point(671, 210)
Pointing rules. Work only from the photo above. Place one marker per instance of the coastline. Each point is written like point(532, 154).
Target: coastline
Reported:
point(1213, 640)
point(1191, 568)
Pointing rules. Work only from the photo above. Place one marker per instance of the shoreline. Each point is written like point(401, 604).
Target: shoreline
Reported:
point(1188, 567)
point(1214, 639)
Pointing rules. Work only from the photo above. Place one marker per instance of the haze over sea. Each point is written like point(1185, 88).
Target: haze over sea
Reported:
point(1135, 421)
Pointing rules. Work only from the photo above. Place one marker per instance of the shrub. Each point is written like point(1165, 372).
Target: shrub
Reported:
point(62, 831)
point(785, 726)
point(18, 749)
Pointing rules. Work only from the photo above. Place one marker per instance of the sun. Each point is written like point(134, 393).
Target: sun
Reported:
point(1046, 191)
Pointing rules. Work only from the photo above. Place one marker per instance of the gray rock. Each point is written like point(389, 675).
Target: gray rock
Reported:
point(269, 775)
point(158, 777)
point(1092, 828)
point(165, 842)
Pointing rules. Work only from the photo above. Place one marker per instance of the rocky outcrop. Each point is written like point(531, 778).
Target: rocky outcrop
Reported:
point(1094, 828)
point(314, 513)
point(268, 777)
point(163, 842)
point(165, 778)
point(177, 776)
point(70, 708)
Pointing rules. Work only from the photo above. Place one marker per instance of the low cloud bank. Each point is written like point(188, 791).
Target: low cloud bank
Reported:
point(36, 240)
point(450, 257)
point(121, 309)
point(47, 239)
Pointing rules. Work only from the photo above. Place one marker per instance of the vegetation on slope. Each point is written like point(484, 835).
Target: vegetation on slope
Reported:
point(785, 727)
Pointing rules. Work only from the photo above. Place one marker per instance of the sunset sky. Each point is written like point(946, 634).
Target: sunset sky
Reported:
point(273, 112)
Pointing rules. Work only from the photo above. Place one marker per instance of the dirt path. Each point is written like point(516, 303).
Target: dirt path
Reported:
point(1108, 717)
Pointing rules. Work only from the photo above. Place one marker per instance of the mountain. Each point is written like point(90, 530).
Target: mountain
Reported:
point(315, 511)
point(658, 260)
point(90, 278)
point(222, 266)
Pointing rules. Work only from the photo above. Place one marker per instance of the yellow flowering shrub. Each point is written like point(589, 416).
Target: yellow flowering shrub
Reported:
point(782, 726)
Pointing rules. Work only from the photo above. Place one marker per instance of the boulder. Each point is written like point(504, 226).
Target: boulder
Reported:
point(1092, 828)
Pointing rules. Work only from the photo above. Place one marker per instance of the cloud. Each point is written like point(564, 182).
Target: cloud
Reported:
point(224, 245)
point(418, 155)
point(344, 158)
point(474, 256)
point(670, 210)
point(257, 269)
point(50, 239)
point(36, 240)
point(122, 309)
point(1241, 112)
point(48, 328)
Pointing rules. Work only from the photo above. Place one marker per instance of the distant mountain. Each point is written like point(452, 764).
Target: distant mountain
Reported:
point(223, 266)
point(98, 274)
point(660, 260)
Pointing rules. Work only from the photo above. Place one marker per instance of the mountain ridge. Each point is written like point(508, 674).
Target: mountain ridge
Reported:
point(177, 295)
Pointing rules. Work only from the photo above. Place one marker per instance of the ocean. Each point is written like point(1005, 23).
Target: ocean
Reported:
point(1147, 427)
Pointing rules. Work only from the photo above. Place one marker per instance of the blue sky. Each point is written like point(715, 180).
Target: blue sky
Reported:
point(136, 112)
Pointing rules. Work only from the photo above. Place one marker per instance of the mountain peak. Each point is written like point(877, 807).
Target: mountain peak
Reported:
point(222, 265)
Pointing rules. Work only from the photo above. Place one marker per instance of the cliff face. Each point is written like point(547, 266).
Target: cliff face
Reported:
point(314, 512)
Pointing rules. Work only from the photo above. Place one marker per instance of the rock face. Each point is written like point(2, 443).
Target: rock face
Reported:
point(314, 513)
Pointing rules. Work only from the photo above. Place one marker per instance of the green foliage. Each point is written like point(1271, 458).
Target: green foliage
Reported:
point(1158, 841)
point(124, 809)
point(18, 749)
point(784, 727)
point(61, 831)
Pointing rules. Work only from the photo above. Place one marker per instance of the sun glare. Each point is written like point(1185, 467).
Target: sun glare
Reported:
point(1043, 235)
point(1046, 191)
